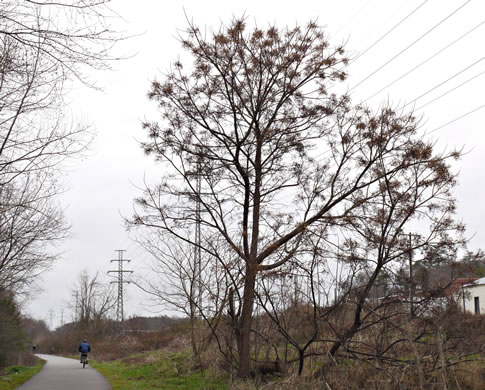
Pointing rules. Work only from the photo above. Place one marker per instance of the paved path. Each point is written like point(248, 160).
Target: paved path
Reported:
point(65, 374)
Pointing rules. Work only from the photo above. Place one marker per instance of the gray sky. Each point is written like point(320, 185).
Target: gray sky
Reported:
point(102, 186)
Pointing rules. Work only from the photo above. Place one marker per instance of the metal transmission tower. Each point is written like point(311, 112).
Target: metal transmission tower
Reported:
point(197, 197)
point(120, 271)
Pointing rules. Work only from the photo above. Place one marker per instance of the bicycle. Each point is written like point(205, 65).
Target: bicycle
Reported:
point(84, 359)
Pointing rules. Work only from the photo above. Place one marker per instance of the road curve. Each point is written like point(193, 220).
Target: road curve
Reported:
point(65, 374)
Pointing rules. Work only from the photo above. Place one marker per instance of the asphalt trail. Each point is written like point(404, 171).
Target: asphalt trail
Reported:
point(65, 374)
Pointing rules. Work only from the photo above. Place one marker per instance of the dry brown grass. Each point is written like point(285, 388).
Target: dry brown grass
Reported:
point(463, 339)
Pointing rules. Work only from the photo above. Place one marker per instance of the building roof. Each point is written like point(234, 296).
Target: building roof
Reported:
point(478, 282)
point(451, 288)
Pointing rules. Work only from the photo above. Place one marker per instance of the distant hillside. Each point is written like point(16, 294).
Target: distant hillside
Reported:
point(151, 323)
point(134, 323)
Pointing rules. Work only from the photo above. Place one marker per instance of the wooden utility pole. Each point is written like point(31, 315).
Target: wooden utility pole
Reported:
point(198, 241)
point(411, 286)
point(411, 282)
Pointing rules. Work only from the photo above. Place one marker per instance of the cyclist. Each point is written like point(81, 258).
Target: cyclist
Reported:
point(84, 348)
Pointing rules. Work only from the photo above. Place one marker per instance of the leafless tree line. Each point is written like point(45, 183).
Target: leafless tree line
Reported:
point(43, 45)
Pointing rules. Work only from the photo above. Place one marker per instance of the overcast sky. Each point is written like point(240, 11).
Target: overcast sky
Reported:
point(102, 186)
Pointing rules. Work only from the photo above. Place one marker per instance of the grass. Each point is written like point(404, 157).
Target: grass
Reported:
point(14, 376)
point(157, 370)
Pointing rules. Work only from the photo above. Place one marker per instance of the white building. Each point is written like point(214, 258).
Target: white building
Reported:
point(474, 296)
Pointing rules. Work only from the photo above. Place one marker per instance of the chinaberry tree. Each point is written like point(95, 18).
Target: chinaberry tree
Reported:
point(253, 138)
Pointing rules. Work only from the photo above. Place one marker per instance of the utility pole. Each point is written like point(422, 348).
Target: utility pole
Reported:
point(411, 282)
point(411, 286)
point(197, 194)
point(463, 295)
point(51, 319)
point(120, 271)
point(76, 308)
point(337, 292)
point(198, 241)
point(410, 275)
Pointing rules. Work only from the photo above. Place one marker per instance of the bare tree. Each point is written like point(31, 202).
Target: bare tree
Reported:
point(43, 45)
point(29, 223)
point(278, 155)
point(94, 299)
point(67, 34)
point(178, 281)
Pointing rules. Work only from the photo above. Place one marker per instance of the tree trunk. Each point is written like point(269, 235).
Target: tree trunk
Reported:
point(439, 344)
point(301, 362)
point(245, 323)
point(192, 336)
point(354, 328)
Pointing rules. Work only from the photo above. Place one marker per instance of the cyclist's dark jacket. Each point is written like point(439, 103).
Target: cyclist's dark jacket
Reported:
point(84, 348)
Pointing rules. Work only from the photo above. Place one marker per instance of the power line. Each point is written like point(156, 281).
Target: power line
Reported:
point(456, 119)
point(397, 11)
point(426, 60)
point(451, 90)
point(389, 31)
point(130, 245)
point(410, 45)
point(444, 82)
point(354, 16)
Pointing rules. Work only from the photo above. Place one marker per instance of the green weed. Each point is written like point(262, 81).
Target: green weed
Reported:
point(14, 376)
point(157, 370)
